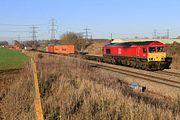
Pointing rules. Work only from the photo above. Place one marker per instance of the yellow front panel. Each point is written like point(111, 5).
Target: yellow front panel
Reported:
point(158, 56)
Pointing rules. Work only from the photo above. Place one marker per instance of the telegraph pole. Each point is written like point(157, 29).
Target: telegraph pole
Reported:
point(91, 37)
point(167, 33)
point(111, 36)
point(155, 34)
point(53, 29)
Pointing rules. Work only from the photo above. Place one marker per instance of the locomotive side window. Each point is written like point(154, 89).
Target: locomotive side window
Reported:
point(152, 49)
point(144, 50)
point(160, 49)
point(108, 51)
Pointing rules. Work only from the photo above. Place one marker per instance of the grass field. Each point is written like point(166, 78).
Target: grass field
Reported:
point(10, 59)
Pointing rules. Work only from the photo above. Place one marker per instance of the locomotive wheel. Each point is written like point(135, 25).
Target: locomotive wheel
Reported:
point(143, 66)
point(134, 65)
point(138, 66)
point(113, 61)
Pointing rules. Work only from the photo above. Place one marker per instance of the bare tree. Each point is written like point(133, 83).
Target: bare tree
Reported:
point(18, 44)
point(74, 39)
point(32, 44)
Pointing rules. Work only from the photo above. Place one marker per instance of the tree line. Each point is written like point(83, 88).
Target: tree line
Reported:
point(69, 38)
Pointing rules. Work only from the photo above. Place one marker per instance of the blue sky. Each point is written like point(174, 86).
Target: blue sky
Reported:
point(123, 18)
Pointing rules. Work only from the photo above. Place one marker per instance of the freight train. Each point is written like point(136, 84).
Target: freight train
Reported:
point(147, 55)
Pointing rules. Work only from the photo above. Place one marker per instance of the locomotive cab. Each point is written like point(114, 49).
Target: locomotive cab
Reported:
point(156, 53)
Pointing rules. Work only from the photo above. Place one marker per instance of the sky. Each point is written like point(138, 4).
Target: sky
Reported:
point(122, 18)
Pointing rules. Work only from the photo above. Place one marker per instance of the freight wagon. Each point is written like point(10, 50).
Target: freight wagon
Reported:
point(62, 49)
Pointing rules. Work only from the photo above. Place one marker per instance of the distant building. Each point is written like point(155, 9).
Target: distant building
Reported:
point(167, 41)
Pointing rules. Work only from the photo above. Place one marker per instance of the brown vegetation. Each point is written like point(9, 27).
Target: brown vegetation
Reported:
point(74, 39)
point(96, 47)
point(174, 51)
point(16, 95)
point(71, 89)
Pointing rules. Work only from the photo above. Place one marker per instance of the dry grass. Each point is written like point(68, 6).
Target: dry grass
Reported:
point(174, 51)
point(71, 89)
point(176, 60)
point(16, 95)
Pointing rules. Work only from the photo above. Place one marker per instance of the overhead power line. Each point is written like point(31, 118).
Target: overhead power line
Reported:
point(15, 37)
point(1, 24)
point(111, 36)
point(168, 33)
point(34, 37)
point(87, 32)
point(53, 29)
point(155, 33)
point(13, 25)
point(14, 31)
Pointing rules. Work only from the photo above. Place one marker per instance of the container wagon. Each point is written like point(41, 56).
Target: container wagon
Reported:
point(62, 49)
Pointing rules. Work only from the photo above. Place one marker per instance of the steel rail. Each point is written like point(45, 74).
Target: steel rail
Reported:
point(141, 76)
point(168, 73)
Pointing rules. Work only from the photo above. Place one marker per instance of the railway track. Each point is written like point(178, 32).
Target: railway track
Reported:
point(169, 73)
point(143, 76)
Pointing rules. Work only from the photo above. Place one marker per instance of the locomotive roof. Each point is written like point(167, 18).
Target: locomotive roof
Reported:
point(131, 43)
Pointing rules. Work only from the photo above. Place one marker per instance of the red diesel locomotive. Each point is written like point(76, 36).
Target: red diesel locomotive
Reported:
point(149, 55)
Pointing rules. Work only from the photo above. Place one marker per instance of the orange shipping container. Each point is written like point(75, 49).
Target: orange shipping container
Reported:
point(64, 49)
point(50, 49)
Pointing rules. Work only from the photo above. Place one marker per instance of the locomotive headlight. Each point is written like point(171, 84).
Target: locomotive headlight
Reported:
point(163, 58)
point(150, 58)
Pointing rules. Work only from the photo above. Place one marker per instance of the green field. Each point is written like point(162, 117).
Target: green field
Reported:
point(10, 59)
